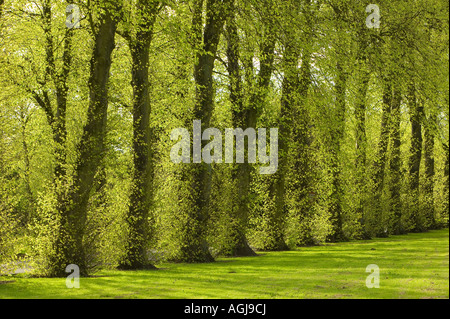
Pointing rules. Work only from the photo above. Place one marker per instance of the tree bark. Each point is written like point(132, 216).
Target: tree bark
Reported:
point(446, 208)
point(141, 197)
point(363, 78)
point(395, 164)
point(68, 248)
point(337, 133)
point(337, 233)
point(379, 164)
point(416, 113)
point(241, 173)
point(293, 135)
point(274, 234)
point(361, 144)
point(27, 170)
point(301, 176)
point(278, 186)
point(56, 119)
point(429, 182)
point(194, 247)
point(62, 90)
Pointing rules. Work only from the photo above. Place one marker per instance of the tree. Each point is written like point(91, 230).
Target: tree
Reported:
point(278, 183)
point(72, 211)
point(141, 197)
point(193, 246)
point(337, 133)
point(416, 115)
point(295, 167)
point(395, 162)
point(49, 85)
point(363, 77)
point(56, 119)
point(241, 173)
point(446, 181)
point(381, 157)
point(429, 183)
point(258, 89)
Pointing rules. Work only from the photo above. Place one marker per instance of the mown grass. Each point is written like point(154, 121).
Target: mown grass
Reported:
point(411, 266)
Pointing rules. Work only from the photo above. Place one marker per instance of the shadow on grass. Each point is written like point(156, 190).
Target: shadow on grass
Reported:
point(413, 266)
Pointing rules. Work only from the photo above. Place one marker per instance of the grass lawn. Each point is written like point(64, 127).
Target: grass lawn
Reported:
point(411, 266)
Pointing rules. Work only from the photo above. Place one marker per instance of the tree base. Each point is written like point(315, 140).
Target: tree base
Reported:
point(280, 245)
point(194, 254)
point(243, 249)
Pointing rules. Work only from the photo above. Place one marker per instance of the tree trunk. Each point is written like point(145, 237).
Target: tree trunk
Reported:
point(395, 165)
point(363, 78)
point(193, 247)
point(416, 112)
point(337, 136)
point(429, 172)
point(446, 205)
point(139, 216)
point(68, 248)
point(241, 173)
point(274, 233)
point(62, 90)
point(361, 144)
point(27, 214)
point(337, 131)
point(302, 139)
point(56, 120)
point(376, 224)
point(278, 186)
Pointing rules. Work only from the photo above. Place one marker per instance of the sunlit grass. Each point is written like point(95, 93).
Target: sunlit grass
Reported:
point(411, 266)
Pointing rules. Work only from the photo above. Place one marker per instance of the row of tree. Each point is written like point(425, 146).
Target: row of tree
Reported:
point(87, 113)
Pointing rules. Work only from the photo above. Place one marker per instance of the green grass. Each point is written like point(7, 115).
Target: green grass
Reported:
point(411, 266)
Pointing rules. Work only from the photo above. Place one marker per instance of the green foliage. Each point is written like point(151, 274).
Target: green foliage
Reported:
point(336, 179)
